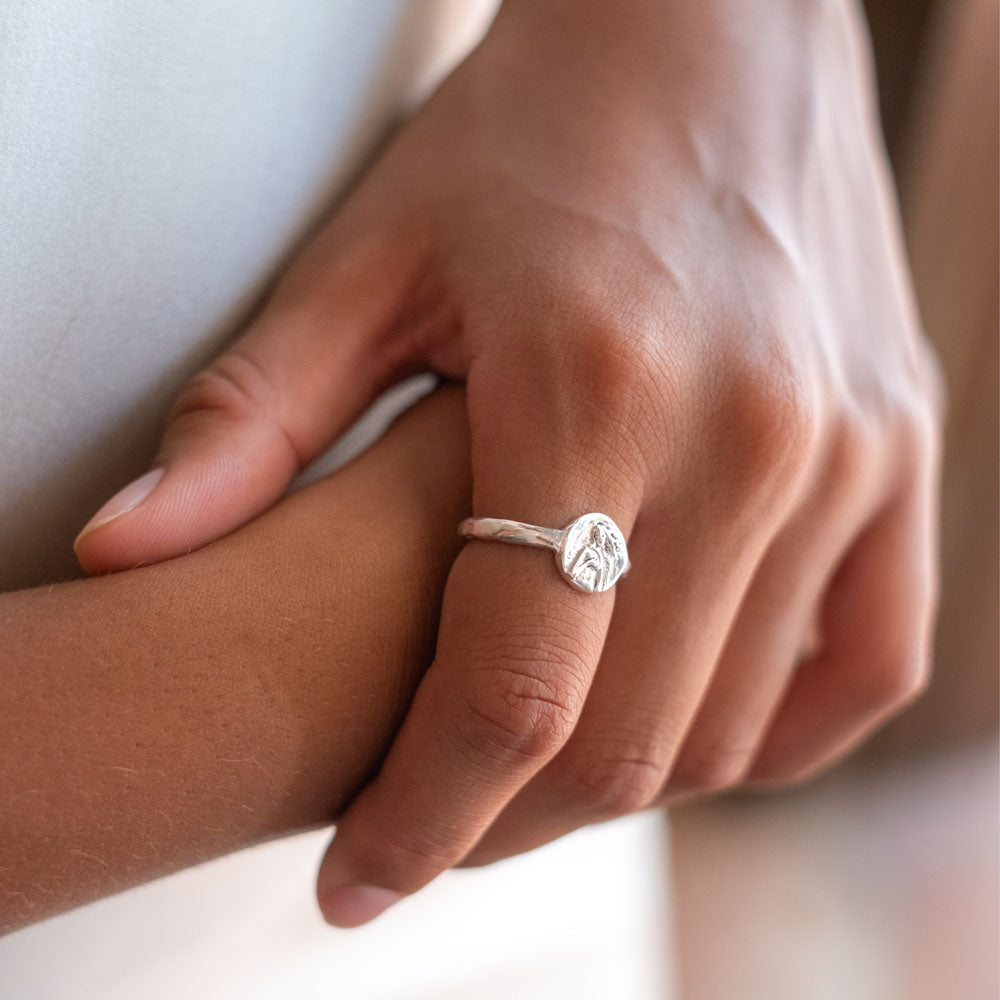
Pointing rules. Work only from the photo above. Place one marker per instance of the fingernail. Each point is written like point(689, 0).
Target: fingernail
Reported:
point(124, 501)
point(353, 905)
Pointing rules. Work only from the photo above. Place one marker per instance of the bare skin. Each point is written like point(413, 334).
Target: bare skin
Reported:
point(659, 242)
point(157, 718)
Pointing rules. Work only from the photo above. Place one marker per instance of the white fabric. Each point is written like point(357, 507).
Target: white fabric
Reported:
point(578, 920)
point(158, 162)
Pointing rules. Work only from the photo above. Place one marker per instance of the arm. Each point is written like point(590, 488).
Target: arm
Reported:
point(163, 716)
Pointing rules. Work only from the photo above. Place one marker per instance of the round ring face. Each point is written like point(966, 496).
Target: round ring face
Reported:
point(593, 556)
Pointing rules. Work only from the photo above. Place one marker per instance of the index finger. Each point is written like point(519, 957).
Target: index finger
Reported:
point(517, 651)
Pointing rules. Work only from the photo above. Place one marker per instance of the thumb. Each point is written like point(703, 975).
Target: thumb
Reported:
point(243, 427)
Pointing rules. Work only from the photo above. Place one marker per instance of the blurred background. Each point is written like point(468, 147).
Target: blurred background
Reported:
point(880, 882)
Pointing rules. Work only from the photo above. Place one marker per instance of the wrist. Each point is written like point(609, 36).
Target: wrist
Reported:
point(752, 67)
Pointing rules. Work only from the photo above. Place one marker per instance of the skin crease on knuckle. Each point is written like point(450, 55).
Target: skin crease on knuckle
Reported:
point(522, 703)
point(611, 786)
point(401, 864)
point(714, 769)
point(232, 385)
point(233, 389)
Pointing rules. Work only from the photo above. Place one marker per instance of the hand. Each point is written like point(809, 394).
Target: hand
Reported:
point(157, 718)
point(659, 244)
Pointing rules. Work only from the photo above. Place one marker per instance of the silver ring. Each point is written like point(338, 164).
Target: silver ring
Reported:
point(590, 552)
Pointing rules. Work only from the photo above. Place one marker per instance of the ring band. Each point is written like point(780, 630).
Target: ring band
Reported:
point(591, 553)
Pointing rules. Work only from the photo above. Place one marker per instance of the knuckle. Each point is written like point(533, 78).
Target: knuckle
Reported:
point(614, 358)
point(524, 705)
point(528, 729)
point(613, 367)
point(617, 356)
point(897, 679)
point(771, 423)
point(235, 390)
point(605, 410)
point(612, 786)
point(713, 768)
point(851, 452)
point(233, 386)
point(402, 865)
point(791, 775)
point(918, 435)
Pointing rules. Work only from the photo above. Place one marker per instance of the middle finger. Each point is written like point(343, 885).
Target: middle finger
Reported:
point(671, 618)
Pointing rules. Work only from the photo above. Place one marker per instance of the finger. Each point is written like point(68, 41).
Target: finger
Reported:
point(754, 670)
point(665, 638)
point(776, 623)
point(876, 625)
point(243, 427)
point(516, 654)
point(670, 626)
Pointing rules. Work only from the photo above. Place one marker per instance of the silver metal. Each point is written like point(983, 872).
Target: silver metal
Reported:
point(591, 553)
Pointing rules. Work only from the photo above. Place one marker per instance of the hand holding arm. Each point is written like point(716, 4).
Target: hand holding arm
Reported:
point(659, 242)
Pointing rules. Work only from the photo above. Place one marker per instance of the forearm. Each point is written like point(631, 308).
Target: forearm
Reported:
point(160, 717)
